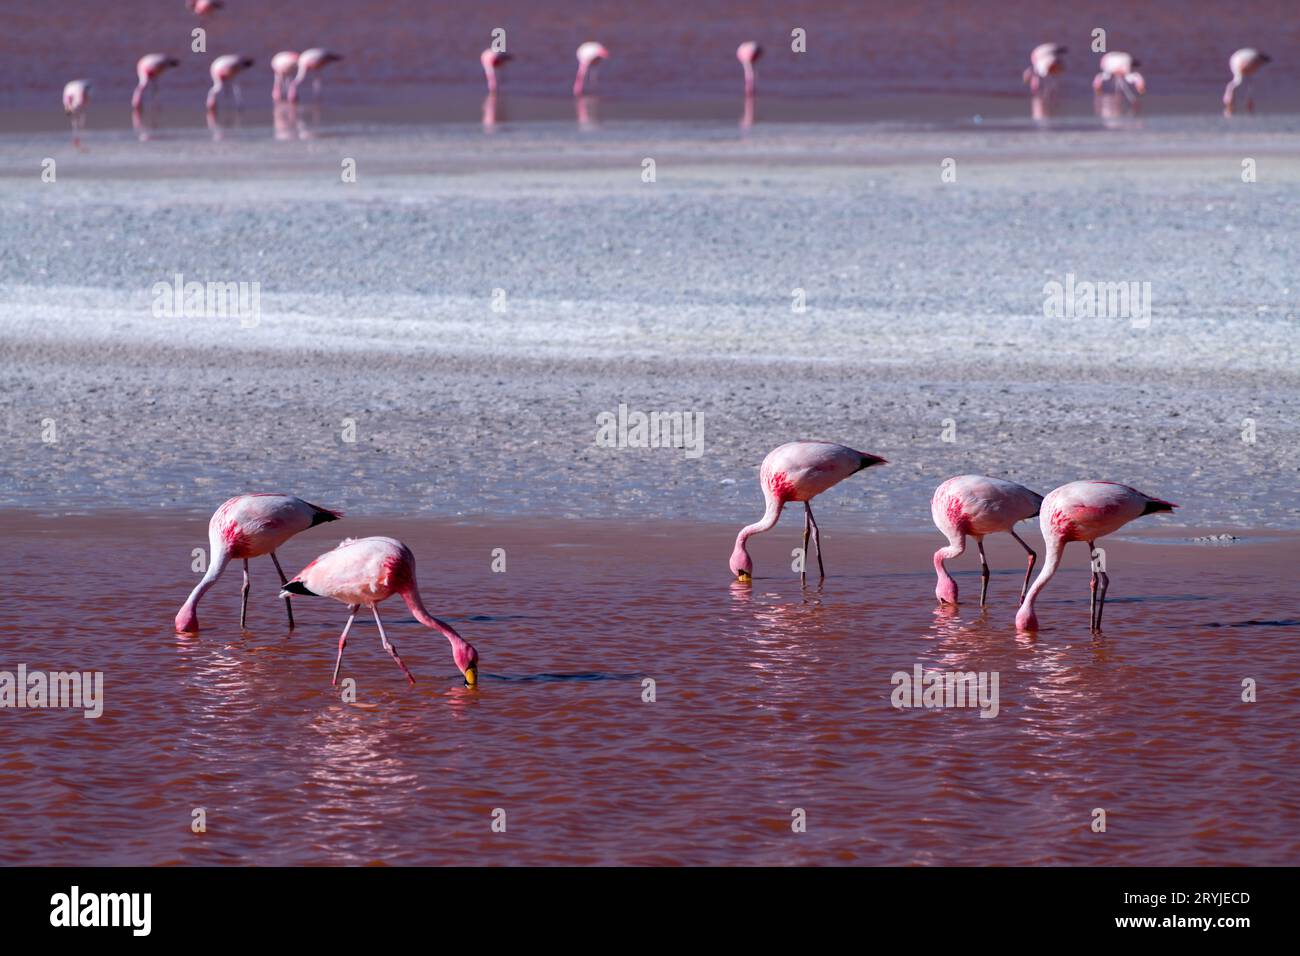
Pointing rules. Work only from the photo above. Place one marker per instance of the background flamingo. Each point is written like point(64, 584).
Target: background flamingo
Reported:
point(491, 59)
point(1243, 65)
point(283, 66)
point(798, 471)
point(225, 69)
point(1084, 511)
point(748, 53)
point(1119, 67)
point(147, 70)
point(204, 8)
point(248, 526)
point(76, 99)
point(976, 505)
point(311, 61)
point(589, 54)
point(368, 571)
point(1044, 62)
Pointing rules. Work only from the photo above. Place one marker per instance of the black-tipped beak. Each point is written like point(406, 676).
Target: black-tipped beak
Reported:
point(297, 587)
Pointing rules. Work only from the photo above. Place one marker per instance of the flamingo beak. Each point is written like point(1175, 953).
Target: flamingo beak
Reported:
point(471, 675)
point(744, 577)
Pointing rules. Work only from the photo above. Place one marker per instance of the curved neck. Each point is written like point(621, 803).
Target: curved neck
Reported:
point(1050, 563)
point(218, 564)
point(770, 514)
point(412, 598)
point(955, 549)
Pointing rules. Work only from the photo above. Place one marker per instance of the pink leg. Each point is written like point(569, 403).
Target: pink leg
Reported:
point(288, 605)
point(817, 541)
point(343, 642)
point(1028, 571)
point(392, 651)
point(243, 600)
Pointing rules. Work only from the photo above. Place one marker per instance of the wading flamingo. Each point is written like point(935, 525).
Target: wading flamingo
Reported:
point(1044, 62)
point(1084, 511)
point(204, 8)
point(1243, 65)
point(798, 471)
point(226, 69)
point(748, 53)
point(76, 98)
point(147, 70)
point(589, 54)
point(1121, 68)
point(368, 571)
point(248, 526)
point(283, 66)
point(976, 505)
point(311, 61)
point(491, 59)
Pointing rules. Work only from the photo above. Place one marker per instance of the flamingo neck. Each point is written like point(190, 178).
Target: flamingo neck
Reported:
point(187, 617)
point(580, 82)
point(413, 601)
point(1026, 617)
point(770, 514)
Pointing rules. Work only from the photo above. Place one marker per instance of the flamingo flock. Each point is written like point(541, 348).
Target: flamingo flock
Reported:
point(290, 69)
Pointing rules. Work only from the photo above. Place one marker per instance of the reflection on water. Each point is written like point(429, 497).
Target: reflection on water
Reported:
point(662, 717)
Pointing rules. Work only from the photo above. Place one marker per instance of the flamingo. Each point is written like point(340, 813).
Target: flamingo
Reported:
point(491, 59)
point(1120, 68)
point(203, 8)
point(748, 53)
point(1044, 62)
point(1084, 511)
point(283, 66)
point(1243, 64)
point(311, 61)
point(976, 505)
point(589, 54)
point(798, 471)
point(248, 526)
point(226, 69)
point(368, 571)
point(148, 69)
point(76, 99)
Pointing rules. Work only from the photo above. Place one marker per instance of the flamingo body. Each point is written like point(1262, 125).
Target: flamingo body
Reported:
point(1121, 68)
point(311, 61)
point(977, 505)
point(147, 70)
point(1084, 511)
point(204, 8)
point(76, 97)
point(249, 526)
point(368, 571)
point(797, 471)
point(1045, 60)
point(225, 69)
point(1242, 64)
point(492, 60)
point(283, 67)
point(590, 54)
point(748, 53)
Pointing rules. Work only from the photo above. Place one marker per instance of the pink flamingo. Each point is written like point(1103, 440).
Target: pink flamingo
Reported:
point(76, 99)
point(248, 526)
point(311, 61)
point(589, 55)
point(1044, 62)
point(1243, 64)
point(491, 59)
point(1084, 511)
point(798, 471)
point(150, 67)
point(1120, 68)
point(226, 69)
point(204, 8)
point(976, 505)
point(283, 66)
point(748, 53)
point(368, 571)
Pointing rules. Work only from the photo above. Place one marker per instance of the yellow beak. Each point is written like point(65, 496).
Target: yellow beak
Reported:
point(471, 676)
point(744, 577)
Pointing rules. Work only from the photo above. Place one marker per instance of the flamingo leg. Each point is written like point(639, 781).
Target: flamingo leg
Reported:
point(343, 642)
point(243, 599)
point(817, 540)
point(807, 529)
point(392, 651)
point(288, 605)
point(1101, 598)
point(1028, 571)
point(984, 572)
point(1092, 588)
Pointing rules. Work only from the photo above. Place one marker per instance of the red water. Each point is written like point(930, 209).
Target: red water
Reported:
point(768, 698)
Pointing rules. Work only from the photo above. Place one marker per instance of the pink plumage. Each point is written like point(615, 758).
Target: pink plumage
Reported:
point(977, 505)
point(1084, 511)
point(798, 471)
point(368, 571)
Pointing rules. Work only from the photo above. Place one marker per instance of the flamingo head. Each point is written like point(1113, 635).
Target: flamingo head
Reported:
point(946, 588)
point(742, 566)
point(1026, 619)
point(187, 620)
point(748, 52)
point(592, 52)
point(467, 660)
